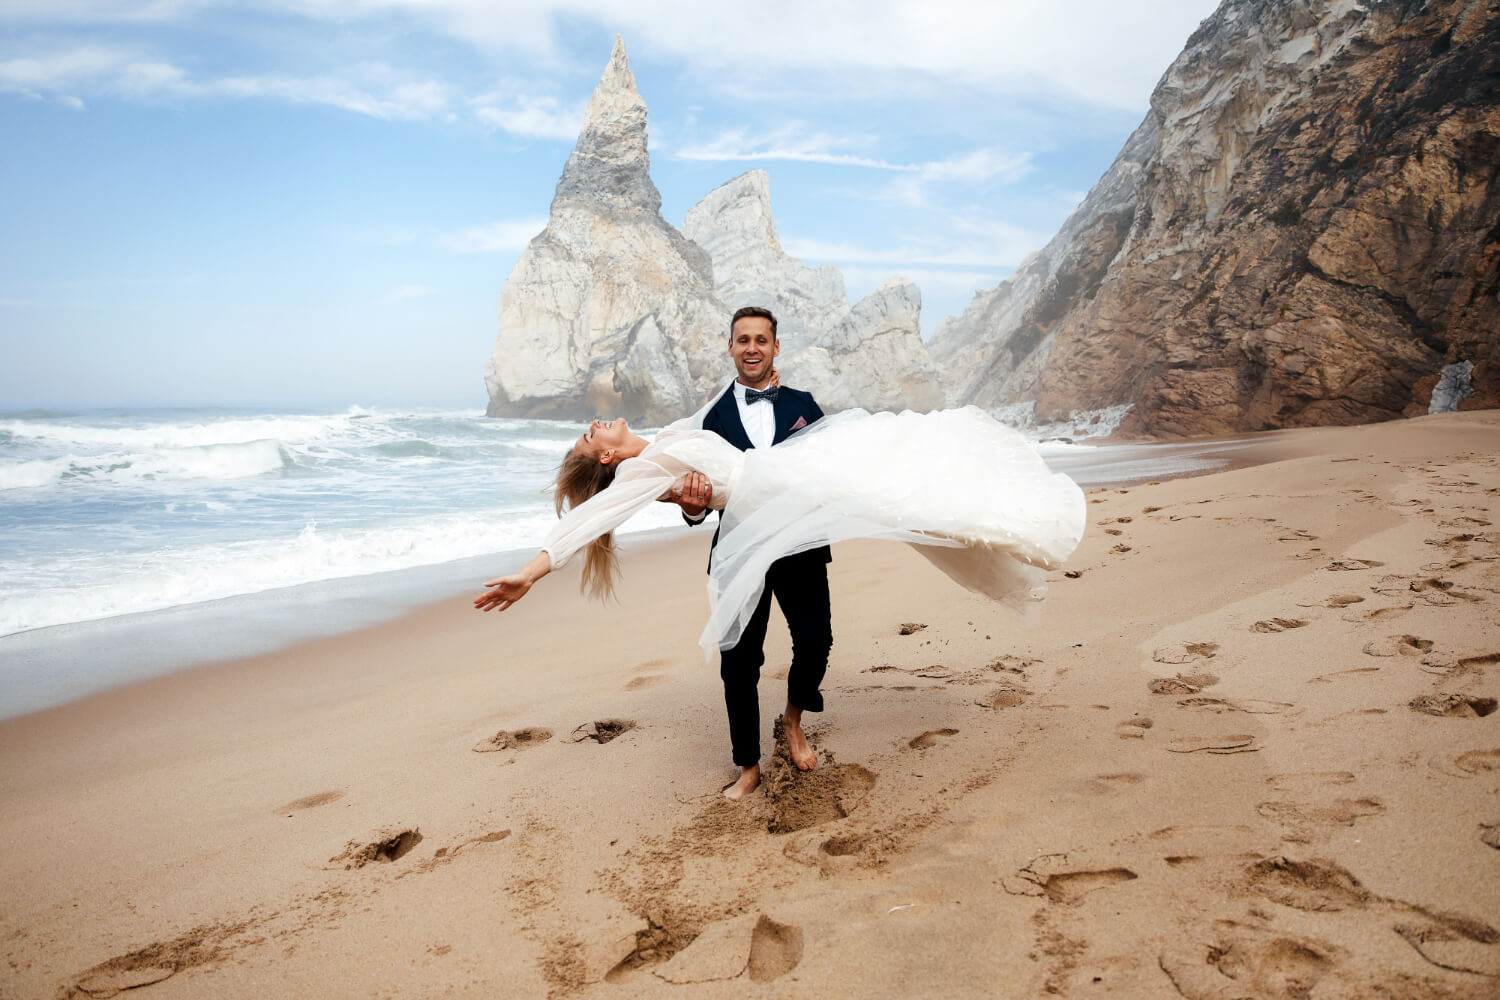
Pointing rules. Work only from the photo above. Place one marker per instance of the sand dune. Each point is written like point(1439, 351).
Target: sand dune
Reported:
point(1252, 750)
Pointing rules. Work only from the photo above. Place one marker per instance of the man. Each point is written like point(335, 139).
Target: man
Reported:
point(757, 412)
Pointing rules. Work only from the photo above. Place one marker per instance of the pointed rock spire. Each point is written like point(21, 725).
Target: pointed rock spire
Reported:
point(609, 170)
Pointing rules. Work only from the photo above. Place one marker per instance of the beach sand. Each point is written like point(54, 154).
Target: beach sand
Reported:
point(1250, 750)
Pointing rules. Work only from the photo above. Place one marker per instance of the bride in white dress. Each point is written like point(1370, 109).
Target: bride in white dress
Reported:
point(968, 492)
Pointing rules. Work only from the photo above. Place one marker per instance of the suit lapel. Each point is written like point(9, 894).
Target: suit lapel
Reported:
point(732, 428)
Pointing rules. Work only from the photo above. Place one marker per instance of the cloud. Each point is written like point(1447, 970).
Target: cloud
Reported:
point(371, 88)
point(498, 237)
point(537, 117)
point(786, 143)
point(791, 143)
point(1101, 52)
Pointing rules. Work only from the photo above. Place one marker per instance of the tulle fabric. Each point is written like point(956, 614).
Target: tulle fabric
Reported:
point(970, 493)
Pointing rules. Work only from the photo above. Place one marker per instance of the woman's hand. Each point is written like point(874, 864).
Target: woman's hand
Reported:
point(507, 590)
point(503, 593)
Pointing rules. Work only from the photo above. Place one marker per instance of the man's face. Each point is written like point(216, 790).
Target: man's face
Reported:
point(753, 348)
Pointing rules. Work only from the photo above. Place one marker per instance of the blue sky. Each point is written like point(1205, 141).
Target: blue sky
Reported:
point(315, 203)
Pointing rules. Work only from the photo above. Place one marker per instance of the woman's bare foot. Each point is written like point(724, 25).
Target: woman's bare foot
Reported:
point(749, 780)
point(803, 755)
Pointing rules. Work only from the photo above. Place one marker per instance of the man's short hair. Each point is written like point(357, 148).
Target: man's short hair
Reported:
point(758, 311)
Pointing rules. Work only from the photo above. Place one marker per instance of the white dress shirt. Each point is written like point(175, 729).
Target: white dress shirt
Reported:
point(759, 418)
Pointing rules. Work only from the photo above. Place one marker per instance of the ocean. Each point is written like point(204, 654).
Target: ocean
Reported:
point(148, 530)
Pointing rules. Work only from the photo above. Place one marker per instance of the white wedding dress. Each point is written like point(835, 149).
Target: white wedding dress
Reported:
point(970, 493)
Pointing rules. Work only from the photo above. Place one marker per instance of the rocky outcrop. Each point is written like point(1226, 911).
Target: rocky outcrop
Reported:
point(1304, 230)
point(873, 358)
point(610, 310)
point(871, 355)
point(733, 224)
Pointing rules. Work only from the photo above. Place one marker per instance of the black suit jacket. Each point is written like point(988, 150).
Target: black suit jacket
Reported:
point(791, 406)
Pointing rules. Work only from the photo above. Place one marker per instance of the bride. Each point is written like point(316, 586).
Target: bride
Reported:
point(968, 492)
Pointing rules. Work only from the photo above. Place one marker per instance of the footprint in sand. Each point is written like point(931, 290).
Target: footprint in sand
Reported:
point(775, 949)
point(1353, 565)
point(1181, 684)
point(1008, 696)
point(152, 964)
point(384, 847)
point(1133, 729)
point(1187, 652)
point(1471, 764)
point(929, 738)
point(1343, 600)
point(1301, 820)
point(1050, 876)
point(1277, 624)
point(1489, 833)
point(723, 951)
point(602, 731)
point(1398, 645)
point(1313, 885)
point(1453, 942)
point(1242, 743)
point(1243, 963)
point(643, 682)
point(517, 739)
point(311, 801)
point(1378, 614)
point(1453, 705)
point(1104, 784)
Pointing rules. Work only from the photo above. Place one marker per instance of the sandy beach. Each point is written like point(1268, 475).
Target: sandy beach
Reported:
point(1250, 750)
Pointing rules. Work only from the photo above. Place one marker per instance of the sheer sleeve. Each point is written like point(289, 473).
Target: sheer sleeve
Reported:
point(638, 483)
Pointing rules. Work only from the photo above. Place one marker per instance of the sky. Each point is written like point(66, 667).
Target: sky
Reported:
point(315, 203)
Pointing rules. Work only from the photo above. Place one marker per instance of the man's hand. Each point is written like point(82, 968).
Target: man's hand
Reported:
point(694, 494)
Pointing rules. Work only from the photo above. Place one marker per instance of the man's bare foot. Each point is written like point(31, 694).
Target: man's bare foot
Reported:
point(803, 755)
point(749, 780)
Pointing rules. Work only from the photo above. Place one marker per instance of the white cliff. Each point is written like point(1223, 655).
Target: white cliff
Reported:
point(609, 310)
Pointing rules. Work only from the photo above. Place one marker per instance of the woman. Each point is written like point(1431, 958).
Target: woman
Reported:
point(967, 491)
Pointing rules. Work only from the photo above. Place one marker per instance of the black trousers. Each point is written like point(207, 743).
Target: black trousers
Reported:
point(800, 585)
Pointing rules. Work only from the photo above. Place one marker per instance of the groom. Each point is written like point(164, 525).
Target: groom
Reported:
point(757, 412)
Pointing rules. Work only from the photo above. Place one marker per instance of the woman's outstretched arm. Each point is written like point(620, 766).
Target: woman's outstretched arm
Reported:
point(509, 589)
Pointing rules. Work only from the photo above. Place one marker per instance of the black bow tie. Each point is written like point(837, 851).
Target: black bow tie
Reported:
point(768, 394)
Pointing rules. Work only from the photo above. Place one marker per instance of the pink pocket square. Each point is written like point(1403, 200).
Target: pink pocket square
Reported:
point(801, 423)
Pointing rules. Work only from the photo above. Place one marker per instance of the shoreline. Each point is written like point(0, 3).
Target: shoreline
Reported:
point(46, 667)
point(1252, 742)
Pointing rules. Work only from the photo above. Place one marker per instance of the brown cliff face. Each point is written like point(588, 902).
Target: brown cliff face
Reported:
point(1315, 234)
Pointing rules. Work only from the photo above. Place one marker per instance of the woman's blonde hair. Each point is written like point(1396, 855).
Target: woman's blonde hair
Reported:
point(579, 477)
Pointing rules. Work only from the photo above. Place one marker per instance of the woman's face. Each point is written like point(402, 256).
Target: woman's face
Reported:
point(602, 439)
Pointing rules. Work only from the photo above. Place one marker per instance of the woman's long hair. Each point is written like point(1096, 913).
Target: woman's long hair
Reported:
point(578, 478)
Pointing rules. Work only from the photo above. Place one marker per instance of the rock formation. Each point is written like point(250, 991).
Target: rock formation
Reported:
point(1304, 230)
point(733, 224)
point(610, 310)
point(871, 355)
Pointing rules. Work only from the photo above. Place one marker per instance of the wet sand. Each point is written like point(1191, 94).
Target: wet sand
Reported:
point(1251, 749)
